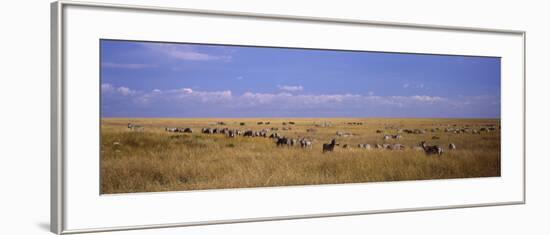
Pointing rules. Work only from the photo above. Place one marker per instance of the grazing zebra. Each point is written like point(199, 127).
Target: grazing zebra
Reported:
point(207, 131)
point(171, 129)
point(282, 141)
point(134, 127)
point(364, 146)
point(274, 135)
point(431, 149)
point(387, 137)
point(249, 133)
point(305, 143)
point(329, 147)
point(452, 146)
point(396, 147)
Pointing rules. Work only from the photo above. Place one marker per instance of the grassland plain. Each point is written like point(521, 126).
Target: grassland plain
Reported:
point(154, 160)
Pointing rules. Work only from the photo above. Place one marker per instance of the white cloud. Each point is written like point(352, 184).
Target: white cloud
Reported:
point(406, 85)
point(427, 98)
point(125, 90)
point(186, 52)
point(126, 66)
point(283, 99)
point(277, 103)
point(291, 88)
point(106, 87)
point(187, 90)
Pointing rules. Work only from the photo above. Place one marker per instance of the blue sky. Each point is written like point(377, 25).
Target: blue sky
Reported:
point(146, 79)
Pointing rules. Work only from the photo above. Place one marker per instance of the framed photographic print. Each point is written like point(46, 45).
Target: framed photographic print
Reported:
point(204, 117)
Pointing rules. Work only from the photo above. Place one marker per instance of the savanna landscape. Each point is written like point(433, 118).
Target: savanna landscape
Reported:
point(149, 156)
point(190, 116)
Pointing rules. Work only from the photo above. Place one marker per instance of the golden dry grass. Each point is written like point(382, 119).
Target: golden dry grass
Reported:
point(154, 160)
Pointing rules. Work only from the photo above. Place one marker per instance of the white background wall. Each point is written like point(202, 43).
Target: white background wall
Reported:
point(24, 119)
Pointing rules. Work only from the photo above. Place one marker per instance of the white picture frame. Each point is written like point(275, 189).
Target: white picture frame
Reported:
point(77, 206)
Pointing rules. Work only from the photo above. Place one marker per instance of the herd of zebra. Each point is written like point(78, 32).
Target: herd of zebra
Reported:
point(428, 149)
point(305, 143)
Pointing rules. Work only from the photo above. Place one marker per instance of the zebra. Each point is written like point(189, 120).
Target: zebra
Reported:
point(364, 146)
point(249, 133)
point(431, 149)
point(452, 146)
point(396, 147)
point(305, 143)
point(274, 135)
point(329, 147)
point(134, 127)
point(281, 141)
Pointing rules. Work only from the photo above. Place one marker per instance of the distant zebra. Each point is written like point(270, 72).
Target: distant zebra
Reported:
point(305, 143)
point(134, 127)
point(282, 141)
point(329, 147)
point(171, 129)
point(364, 146)
point(452, 146)
point(431, 149)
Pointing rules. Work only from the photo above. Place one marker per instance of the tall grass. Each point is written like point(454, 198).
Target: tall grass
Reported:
point(155, 160)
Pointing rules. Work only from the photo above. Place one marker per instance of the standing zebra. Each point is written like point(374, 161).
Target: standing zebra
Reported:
point(329, 147)
point(134, 127)
point(431, 149)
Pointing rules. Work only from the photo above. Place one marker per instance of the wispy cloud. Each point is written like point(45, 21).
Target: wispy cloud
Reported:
point(107, 88)
point(414, 85)
point(126, 66)
point(188, 52)
point(291, 88)
point(188, 102)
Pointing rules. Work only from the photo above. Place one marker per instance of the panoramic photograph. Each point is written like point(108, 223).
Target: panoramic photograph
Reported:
point(183, 116)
